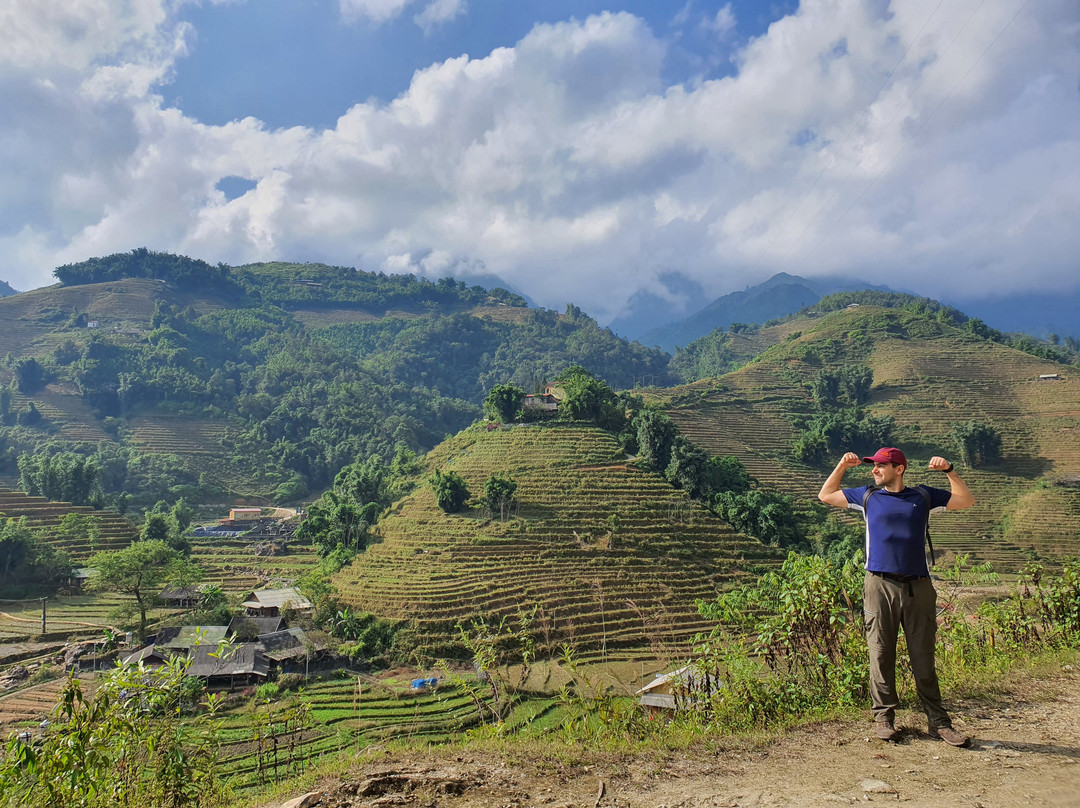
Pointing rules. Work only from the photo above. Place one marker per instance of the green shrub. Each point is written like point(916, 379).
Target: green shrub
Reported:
point(268, 691)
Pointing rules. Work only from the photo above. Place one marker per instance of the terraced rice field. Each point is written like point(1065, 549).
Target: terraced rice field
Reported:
point(28, 706)
point(231, 563)
point(116, 532)
point(170, 434)
point(343, 717)
point(612, 557)
point(71, 617)
point(63, 407)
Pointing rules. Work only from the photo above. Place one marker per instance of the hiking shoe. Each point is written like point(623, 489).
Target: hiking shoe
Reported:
point(886, 731)
point(950, 736)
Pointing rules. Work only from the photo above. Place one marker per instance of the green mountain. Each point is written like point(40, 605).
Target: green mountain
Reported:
point(182, 378)
point(933, 374)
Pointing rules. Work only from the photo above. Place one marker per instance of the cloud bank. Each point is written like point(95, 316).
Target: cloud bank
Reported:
point(927, 145)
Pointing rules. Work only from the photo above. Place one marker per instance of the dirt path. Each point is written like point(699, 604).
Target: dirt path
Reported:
point(1026, 753)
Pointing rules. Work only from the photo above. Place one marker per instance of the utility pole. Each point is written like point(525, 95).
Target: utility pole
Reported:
point(43, 600)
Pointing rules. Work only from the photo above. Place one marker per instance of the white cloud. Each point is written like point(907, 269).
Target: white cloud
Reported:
point(566, 165)
point(722, 23)
point(438, 12)
point(377, 11)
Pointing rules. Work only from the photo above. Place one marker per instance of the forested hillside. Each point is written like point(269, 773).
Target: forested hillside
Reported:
point(179, 378)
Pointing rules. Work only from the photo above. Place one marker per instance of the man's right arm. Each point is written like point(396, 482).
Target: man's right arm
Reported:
point(830, 492)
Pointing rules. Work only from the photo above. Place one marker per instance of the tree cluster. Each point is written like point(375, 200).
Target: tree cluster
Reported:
point(343, 515)
point(29, 565)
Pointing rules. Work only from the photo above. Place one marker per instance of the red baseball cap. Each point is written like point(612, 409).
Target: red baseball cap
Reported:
point(887, 455)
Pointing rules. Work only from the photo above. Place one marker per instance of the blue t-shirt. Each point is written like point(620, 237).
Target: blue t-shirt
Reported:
point(896, 527)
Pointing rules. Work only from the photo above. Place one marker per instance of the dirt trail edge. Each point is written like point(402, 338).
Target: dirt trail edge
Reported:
point(1026, 752)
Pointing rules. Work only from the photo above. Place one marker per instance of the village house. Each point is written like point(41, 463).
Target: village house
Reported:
point(243, 665)
point(270, 602)
point(247, 629)
point(149, 656)
point(180, 597)
point(181, 639)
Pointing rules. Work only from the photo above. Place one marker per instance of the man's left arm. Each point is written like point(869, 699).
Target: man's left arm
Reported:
point(961, 494)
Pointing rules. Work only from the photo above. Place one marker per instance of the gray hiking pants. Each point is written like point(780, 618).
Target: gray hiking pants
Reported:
point(889, 605)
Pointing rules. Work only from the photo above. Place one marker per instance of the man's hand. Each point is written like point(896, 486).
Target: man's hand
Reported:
point(851, 460)
point(939, 464)
point(830, 493)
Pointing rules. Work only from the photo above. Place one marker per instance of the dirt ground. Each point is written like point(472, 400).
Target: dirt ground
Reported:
point(1025, 752)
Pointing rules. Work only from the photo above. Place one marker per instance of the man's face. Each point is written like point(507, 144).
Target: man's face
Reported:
point(887, 473)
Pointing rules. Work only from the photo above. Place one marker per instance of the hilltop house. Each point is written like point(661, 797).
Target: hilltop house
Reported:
point(547, 401)
point(544, 402)
point(270, 602)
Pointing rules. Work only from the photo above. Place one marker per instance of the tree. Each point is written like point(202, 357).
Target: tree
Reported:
point(29, 375)
point(28, 564)
point(503, 403)
point(656, 434)
point(766, 516)
point(182, 514)
point(689, 468)
point(499, 493)
point(589, 399)
point(140, 571)
point(451, 493)
point(978, 443)
point(63, 477)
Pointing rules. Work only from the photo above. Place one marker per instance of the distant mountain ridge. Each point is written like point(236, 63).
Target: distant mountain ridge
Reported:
point(779, 296)
point(6, 290)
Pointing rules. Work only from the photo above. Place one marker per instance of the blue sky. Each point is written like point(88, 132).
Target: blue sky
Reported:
point(580, 151)
point(274, 63)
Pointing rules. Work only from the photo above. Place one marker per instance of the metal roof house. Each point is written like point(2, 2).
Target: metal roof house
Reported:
point(181, 639)
point(243, 664)
point(287, 644)
point(678, 690)
point(248, 628)
point(270, 602)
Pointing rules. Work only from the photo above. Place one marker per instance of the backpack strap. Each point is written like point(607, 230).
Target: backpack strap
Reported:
point(922, 489)
point(925, 491)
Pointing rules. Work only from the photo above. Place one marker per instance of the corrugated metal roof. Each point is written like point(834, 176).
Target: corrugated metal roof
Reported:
point(276, 598)
point(240, 660)
point(185, 637)
point(255, 626)
point(286, 644)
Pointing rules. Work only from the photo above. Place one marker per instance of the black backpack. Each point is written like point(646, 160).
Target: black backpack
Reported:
point(922, 489)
